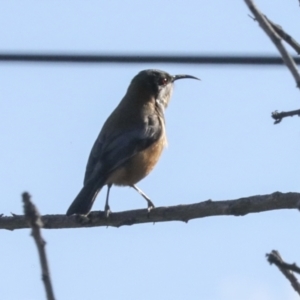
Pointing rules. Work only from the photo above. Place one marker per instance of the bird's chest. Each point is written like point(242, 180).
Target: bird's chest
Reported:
point(139, 166)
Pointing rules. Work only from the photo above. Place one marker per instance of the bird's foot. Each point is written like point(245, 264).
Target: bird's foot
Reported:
point(150, 205)
point(82, 219)
point(107, 211)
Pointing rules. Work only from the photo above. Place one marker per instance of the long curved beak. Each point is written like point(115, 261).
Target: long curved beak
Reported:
point(176, 77)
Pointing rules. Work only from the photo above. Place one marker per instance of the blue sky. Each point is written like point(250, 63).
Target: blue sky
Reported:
point(222, 145)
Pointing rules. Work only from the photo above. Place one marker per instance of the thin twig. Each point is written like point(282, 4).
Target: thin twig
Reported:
point(275, 38)
point(34, 219)
point(279, 116)
point(275, 258)
point(209, 208)
point(284, 35)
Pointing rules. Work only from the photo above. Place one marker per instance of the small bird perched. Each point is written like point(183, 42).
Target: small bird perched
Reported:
point(130, 141)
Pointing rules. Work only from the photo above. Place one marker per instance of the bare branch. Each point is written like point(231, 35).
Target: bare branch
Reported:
point(275, 38)
point(33, 217)
point(275, 258)
point(285, 36)
point(209, 208)
point(279, 116)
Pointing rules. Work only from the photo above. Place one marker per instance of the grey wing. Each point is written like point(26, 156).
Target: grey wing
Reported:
point(110, 152)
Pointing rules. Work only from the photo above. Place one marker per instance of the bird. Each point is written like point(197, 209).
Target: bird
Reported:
point(130, 142)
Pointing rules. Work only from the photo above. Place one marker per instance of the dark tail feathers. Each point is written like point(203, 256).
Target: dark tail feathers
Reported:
point(83, 203)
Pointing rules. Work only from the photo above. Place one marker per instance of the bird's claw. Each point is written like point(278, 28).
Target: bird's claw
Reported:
point(107, 211)
point(150, 206)
point(82, 219)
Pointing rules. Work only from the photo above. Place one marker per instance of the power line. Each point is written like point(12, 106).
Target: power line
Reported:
point(256, 60)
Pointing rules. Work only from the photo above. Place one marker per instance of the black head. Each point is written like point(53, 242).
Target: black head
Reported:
point(158, 82)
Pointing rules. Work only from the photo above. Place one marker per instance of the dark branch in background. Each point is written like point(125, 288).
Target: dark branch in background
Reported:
point(286, 269)
point(279, 116)
point(209, 208)
point(250, 60)
point(33, 218)
point(275, 38)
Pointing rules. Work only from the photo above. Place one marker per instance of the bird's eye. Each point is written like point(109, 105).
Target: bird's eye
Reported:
point(163, 81)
